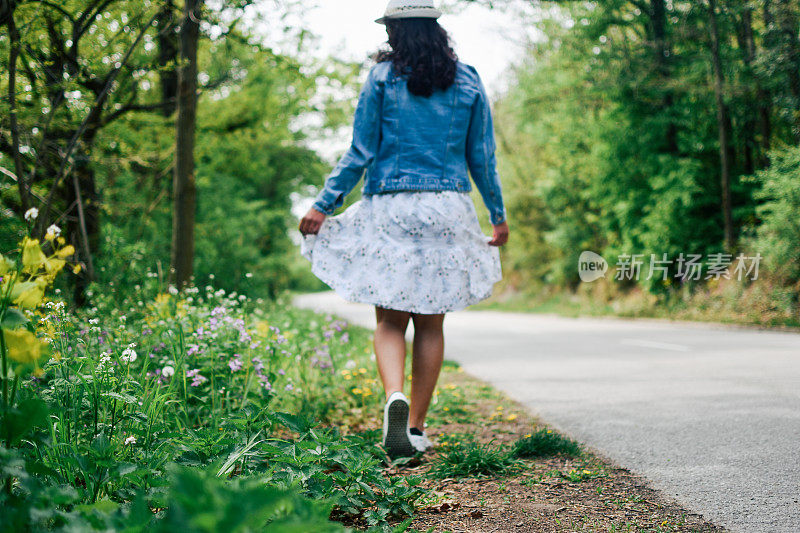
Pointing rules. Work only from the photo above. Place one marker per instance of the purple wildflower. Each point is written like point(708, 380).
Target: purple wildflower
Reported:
point(197, 378)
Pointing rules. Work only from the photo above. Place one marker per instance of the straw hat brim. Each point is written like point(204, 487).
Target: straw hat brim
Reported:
point(422, 12)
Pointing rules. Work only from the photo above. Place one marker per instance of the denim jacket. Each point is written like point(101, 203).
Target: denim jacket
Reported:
point(408, 142)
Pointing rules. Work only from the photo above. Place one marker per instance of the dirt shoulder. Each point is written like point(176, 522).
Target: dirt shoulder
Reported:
point(551, 494)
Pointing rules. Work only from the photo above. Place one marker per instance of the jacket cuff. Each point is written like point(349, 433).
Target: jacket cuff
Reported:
point(498, 217)
point(323, 208)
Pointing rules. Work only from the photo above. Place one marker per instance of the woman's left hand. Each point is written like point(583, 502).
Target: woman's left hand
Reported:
point(500, 234)
point(311, 223)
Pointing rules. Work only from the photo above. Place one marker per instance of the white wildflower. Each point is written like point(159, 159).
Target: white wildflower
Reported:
point(129, 355)
point(54, 230)
point(168, 371)
point(130, 440)
point(31, 214)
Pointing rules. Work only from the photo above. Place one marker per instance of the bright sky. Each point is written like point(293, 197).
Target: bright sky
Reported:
point(490, 40)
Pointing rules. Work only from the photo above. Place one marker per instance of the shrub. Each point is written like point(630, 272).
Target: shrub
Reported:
point(778, 236)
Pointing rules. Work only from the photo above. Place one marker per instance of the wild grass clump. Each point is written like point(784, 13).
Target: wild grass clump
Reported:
point(468, 458)
point(545, 443)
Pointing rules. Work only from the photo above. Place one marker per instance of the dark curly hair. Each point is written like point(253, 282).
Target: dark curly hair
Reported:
point(420, 48)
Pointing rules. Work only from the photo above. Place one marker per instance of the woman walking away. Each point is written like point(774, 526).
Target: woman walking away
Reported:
point(412, 245)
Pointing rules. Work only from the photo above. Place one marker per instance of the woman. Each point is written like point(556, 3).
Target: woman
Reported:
point(412, 246)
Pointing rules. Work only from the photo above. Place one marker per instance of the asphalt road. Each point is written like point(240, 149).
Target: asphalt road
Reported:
point(710, 414)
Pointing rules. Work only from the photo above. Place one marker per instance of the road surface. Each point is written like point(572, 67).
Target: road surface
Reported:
point(709, 414)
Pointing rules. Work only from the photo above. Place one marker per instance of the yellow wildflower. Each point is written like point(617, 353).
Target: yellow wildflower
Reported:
point(511, 418)
point(32, 255)
point(66, 251)
point(6, 266)
point(23, 346)
point(28, 294)
point(54, 265)
point(76, 269)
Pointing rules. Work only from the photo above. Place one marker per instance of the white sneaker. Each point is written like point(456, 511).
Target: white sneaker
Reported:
point(396, 437)
point(421, 443)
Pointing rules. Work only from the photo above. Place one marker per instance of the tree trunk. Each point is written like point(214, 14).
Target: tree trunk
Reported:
point(167, 57)
point(658, 20)
point(184, 189)
point(83, 225)
point(762, 95)
point(723, 124)
point(744, 36)
point(765, 113)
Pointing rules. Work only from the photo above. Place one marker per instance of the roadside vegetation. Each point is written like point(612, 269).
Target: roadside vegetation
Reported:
point(659, 129)
point(206, 411)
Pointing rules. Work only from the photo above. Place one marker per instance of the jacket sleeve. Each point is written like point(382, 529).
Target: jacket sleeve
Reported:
point(481, 156)
point(362, 151)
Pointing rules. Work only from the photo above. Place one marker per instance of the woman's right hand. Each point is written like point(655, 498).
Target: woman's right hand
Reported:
point(500, 236)
point(311, 223)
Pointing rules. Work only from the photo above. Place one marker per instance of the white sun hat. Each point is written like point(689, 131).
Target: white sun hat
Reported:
point(399, 9)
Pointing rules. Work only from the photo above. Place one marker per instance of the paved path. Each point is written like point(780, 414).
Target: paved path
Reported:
point(711, 415)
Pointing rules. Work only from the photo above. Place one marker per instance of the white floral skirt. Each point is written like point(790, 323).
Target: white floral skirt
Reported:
point(417, 251)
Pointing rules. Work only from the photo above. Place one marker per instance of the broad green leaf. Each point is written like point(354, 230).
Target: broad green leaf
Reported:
point(13, 319)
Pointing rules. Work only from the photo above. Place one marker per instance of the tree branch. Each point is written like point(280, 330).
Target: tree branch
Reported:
point(22, 186)
point(16, 179)
point(93, 114)
point(136, 107)
point(87, 18)
point(641, 6)
point(56, 7)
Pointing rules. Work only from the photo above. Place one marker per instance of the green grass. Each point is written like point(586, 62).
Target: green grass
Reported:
point(545, 443)
point(763, 306)
point(464, 457)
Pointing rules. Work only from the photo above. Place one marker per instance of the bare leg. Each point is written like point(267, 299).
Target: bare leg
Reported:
point(390, 347)
point(426, 363)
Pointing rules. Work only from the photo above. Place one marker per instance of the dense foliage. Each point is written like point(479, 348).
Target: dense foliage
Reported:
point(87, 135)
point(611, 133)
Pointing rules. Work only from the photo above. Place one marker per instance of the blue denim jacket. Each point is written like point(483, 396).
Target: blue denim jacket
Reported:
point(408, 142)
